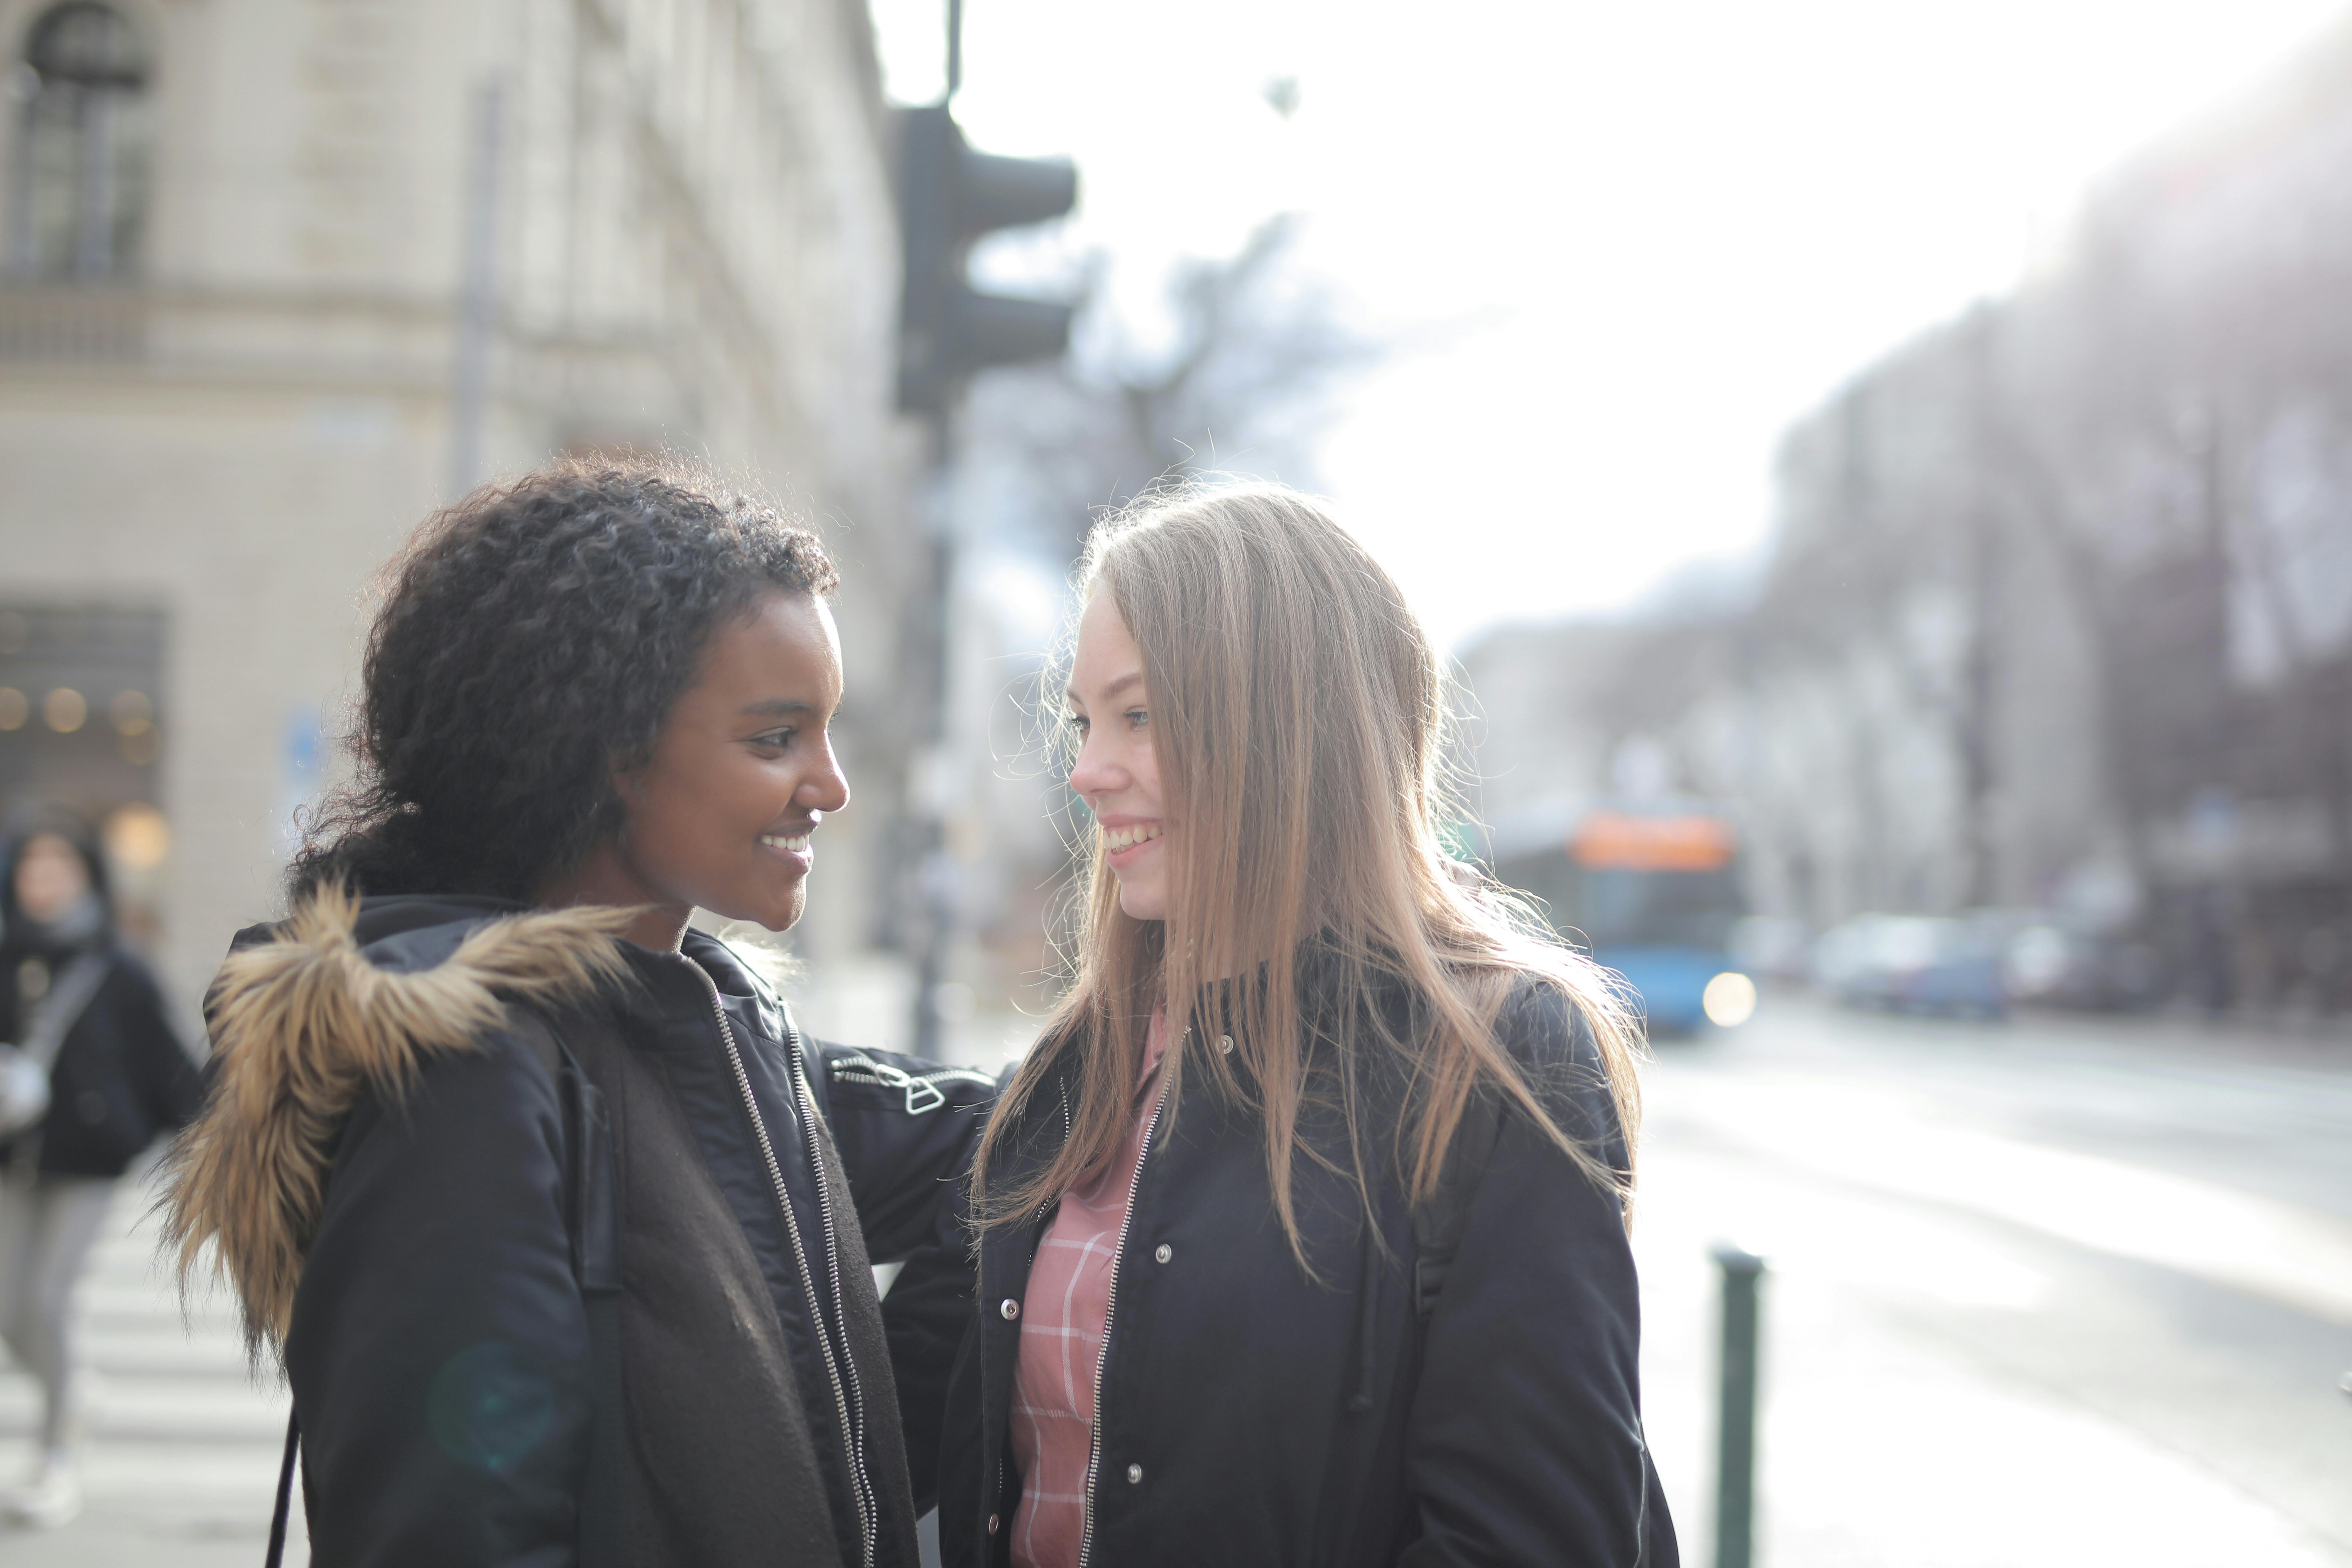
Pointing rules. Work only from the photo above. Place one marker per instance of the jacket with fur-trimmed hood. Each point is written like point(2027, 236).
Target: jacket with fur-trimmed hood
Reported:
point(386, 1172)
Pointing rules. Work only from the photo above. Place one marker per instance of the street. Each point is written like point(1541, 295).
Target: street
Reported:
point(2056, 1291)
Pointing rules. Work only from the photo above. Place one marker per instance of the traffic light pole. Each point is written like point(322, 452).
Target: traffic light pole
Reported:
point(955, 48)
point(948, 197)
point(934, 889)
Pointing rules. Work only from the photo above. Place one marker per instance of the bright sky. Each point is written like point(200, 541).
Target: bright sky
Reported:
point(1632, 242)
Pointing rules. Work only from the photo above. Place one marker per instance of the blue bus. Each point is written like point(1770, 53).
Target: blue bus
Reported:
point(1651, 891)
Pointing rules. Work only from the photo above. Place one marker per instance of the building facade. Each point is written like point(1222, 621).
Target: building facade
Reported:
point(2058, 615)
point(282, 276)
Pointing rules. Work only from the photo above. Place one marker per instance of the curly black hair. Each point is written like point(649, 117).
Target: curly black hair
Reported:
point(531, 641)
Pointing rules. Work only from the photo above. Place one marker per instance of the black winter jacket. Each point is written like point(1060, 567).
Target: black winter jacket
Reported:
point(431, 1313)
point(1250, 1416)
point(120, 1076)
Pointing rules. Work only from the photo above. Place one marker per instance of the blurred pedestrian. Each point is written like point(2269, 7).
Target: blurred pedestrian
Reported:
point(91, 1028)
point(537, 1192)
point(1303, 1226)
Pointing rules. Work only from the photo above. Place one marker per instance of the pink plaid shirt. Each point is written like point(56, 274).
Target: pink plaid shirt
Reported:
point(1062, 1320)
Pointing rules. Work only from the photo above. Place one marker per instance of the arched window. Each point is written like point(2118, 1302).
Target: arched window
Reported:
point(81, 144)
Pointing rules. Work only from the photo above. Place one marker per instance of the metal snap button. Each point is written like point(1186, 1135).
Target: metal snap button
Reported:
point(1011, 1309)
point(1134, 1474)
point(1163, 1252)
point(1225, 1044)
point(992, 1524)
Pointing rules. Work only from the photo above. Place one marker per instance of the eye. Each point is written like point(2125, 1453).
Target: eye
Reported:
point(771, 740)
point(1077, 721)
point(1137, 718)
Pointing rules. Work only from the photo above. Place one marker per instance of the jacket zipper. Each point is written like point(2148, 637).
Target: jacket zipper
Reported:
point(852, 1433)
point(921, 1089)
point(832, 1265)
point(1110, 1307)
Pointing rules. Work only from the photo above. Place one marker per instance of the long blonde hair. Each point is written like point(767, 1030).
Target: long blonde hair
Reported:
point(1300, 721)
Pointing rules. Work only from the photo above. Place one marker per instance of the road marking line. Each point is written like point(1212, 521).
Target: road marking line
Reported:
point(2296, 1257)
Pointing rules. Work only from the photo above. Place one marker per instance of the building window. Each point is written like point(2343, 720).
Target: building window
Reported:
point(81, 144)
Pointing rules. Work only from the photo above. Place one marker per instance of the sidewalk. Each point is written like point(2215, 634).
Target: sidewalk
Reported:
point(182, 1466)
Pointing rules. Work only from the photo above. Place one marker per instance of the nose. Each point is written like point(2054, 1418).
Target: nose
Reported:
point(1095, 773)
point(826, 789)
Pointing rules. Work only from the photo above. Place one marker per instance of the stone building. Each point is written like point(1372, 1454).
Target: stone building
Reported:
point(282, 276)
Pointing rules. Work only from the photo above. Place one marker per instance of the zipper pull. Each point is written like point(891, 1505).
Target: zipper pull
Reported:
point(922, 1095)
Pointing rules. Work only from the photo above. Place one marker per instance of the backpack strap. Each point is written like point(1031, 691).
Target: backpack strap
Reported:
point(277, 1517)
point(1437, 1227)
point(593, 1202)
point(71, 994)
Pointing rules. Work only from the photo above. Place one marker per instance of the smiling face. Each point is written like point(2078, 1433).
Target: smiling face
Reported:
point(741, 771)
point(1117, 774)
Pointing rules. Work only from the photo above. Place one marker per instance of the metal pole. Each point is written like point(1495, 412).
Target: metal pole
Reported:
point(1735, 1483)
point(476, 291)
point(934, 891)
point(934, 874)
point(955, 46)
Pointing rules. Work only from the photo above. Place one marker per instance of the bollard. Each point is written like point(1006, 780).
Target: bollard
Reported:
point(1734, 1473)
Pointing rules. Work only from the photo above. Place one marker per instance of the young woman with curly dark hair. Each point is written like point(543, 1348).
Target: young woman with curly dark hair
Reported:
point(537, 1191)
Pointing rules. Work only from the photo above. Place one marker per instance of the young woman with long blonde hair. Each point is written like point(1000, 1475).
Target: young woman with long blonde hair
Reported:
point(1302, 1231)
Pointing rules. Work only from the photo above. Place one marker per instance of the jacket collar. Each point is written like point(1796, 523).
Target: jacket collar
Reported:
point(343, 999)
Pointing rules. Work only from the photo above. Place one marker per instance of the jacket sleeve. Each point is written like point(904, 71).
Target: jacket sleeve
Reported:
point(439, 1349)
point(1525, 1446)
point(906, 1157)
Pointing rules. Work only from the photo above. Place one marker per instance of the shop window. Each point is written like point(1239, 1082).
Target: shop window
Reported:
point(83, 727)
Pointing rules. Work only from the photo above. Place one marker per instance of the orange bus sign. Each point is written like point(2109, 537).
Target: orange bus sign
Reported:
point(1613, 841)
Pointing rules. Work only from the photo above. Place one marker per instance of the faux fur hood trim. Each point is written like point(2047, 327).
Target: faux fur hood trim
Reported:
point(300, 1025)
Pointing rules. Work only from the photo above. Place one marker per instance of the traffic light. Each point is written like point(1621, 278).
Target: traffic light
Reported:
point(950, 195)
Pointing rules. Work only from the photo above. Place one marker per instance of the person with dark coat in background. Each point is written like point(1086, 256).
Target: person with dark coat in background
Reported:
point(84, 1008)
point(563, 1230)
point(1303, 1230)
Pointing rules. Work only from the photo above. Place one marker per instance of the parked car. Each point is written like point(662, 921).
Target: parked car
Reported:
point(2056, 965)
point(1918, 963)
